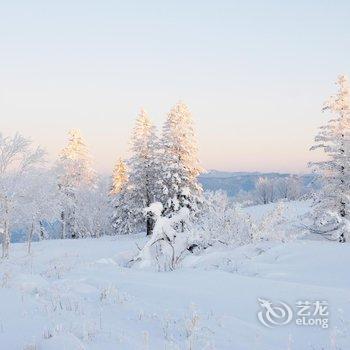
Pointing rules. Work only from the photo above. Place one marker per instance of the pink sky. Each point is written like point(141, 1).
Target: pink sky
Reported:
point(255, 74)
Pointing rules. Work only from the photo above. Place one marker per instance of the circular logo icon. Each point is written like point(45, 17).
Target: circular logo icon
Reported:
point(273, 315)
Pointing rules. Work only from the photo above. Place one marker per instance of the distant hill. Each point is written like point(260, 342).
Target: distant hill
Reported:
point(233, 182)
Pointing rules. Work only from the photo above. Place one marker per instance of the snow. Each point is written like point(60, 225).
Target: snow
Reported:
point(155, 208)
point(81, 294)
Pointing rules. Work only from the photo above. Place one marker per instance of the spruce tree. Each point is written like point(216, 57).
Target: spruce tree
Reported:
point(332, 204)
point(180, 165)
point(119, 177)
point(121, 220)
point(143, 183)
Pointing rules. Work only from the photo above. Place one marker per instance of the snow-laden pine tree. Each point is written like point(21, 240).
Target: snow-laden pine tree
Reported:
point(143, 185)
point(119, 177)
point(332, 204)
point(75, 173)
point(180, 165)
point(121, 219)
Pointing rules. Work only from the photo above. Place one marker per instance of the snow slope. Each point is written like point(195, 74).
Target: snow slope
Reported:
point(79, 294)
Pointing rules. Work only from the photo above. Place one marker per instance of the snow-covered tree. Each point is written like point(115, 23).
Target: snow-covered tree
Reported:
point(119, 177)
point(166, 247)
point(121, 218)
point(40, 204)
point(93, 210)
point(17, 160)
point(180, 165)
point(222, 222)
point(332, 204)
point(264, 190)
point(143, 183)
point(269, 190)
point(288, 188)
point(75, 172)
point(273, 226)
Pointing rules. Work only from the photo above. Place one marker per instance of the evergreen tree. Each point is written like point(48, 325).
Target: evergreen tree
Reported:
point(119, 177)
point(332, 204)
point(143, 183)
point(121, 219)
point(75, 172)
point(180, 166)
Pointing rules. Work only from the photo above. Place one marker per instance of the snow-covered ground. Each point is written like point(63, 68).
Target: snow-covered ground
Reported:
point(80, 294)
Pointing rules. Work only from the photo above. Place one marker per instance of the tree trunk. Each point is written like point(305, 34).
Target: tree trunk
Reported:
point(73, 234)
point(6, 234)
point(30, 236)
point(63, 219)
point(342, 214)
point(149, 226)
point(342, 203)
point(42, 230)
point(6, 242)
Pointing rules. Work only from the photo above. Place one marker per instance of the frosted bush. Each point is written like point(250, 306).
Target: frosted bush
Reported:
point(225, 223)
point(222, 222)
point(272, 227)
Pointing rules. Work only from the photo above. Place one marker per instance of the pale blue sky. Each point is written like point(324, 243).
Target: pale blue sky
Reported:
point(254, 73)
